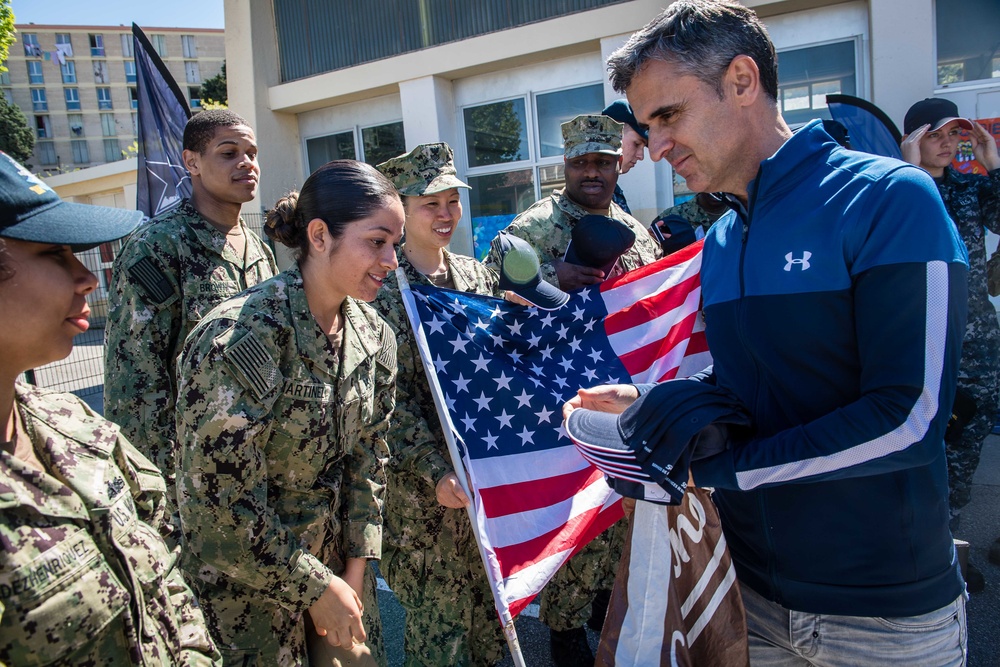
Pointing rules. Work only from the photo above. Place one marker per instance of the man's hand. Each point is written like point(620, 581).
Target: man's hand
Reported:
point(612, 398)
point(984, 147)
point(515, 298)
point(450, 493)
point(910, 146)
point(574, 276)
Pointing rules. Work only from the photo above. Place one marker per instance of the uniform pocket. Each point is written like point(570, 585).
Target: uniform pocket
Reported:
point(59, 603)
point(303, 441)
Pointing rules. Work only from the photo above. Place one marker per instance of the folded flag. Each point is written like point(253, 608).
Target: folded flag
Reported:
point(505, 372)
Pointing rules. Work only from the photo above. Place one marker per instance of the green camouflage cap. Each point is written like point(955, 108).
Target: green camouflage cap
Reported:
point(592, 134)
point(427, 169)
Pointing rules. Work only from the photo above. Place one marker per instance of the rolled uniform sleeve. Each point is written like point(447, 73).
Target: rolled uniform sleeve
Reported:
point(223, 425)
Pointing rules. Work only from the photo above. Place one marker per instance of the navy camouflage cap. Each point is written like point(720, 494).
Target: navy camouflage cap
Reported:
point(592, 134)
point(426, 170)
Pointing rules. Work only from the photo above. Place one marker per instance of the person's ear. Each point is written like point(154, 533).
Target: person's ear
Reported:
point(742, 79)
point(318, 235)
point(192, 162)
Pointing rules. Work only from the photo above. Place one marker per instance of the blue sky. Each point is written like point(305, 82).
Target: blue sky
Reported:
point(146, 13)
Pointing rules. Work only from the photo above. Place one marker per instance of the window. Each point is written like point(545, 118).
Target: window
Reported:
point(38, 101)
point(377, 144)
point(127, 45)
point(42, 128)
point(194, 97)
point(331, 147)
point(382, 142)
point(103, 98)
point(68, 72)
point(97, 46)
point(101, 71)
point(8, 95)
point(31, 47)
point(189, 46)
point(133, 97)
point(46, 153)
point(64, 44)
point(809, 74)
point(112, 150)
point(35, 75)
point(80, 152)
point(130, 71)
point(967, 45)
point(159, 43)
point(108, 126)
point(72, 98)
point(191, 71)
point(4, 78)
point(75, 124)
point(513, 163)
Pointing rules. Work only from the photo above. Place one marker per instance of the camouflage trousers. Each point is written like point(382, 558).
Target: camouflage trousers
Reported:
point(251, 632)
point(567, 598)
point(982, 380)
point(450, 615)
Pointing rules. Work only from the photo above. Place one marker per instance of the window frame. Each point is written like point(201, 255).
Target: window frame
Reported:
point(38, 77)
point(72, 92)
point(103, 104)
point(96, 41)
point(68, 72)
point(39, 100)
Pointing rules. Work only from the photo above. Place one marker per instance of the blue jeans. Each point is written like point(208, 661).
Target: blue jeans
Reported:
point(780, 637)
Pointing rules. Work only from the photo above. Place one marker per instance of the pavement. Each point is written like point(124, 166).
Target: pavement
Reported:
point(83, 372)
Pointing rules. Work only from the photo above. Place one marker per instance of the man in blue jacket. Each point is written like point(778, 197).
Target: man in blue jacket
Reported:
point(834, 301)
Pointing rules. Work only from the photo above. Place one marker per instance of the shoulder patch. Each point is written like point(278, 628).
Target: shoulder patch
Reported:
point(256, 368)
point(387, 353)
point(151, 279)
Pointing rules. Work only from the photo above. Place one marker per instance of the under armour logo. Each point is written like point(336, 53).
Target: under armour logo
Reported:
point(803, 262)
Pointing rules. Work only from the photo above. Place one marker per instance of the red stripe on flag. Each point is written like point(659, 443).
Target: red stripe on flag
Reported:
point(638, 360)
point(578, 531)
point(652, 307)
point(535, 494)
point(679, 257)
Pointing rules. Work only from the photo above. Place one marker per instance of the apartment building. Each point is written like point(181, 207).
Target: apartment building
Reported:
point(76, 86)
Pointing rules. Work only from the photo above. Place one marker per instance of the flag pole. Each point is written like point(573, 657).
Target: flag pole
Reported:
point(509, 631)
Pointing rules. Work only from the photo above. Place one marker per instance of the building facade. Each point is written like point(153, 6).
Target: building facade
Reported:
point(76, 86)
point(495, 78)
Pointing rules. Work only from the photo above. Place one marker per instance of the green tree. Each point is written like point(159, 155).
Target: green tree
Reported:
point(6, 32)
point(16, 138)
point(214, 90)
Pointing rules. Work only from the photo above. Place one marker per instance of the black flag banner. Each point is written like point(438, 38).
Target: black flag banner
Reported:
point(161, 181)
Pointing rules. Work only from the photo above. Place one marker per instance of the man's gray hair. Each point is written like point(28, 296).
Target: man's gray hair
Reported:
point(701, 38)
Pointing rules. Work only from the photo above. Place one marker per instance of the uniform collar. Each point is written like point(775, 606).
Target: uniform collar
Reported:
point(215, 241)
point(360, 341)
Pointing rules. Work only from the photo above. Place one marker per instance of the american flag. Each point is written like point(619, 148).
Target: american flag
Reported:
point(505, 371)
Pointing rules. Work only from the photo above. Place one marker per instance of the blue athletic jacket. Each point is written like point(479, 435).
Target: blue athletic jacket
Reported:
point(835, 307)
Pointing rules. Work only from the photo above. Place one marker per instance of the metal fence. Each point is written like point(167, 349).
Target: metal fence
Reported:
point(82, 372)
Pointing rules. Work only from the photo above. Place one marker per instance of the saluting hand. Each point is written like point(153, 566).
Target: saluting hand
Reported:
point(910, 146)
point(984, 147)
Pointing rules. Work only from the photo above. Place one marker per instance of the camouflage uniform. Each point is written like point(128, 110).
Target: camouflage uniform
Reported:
point(973, 202)
point(548, 225)
point(431, 560)
point(85, 578)
point(693, 213)
point(167, 276)
point(281, 464)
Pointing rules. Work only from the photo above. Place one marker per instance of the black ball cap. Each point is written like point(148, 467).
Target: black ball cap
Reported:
point(598, 241)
